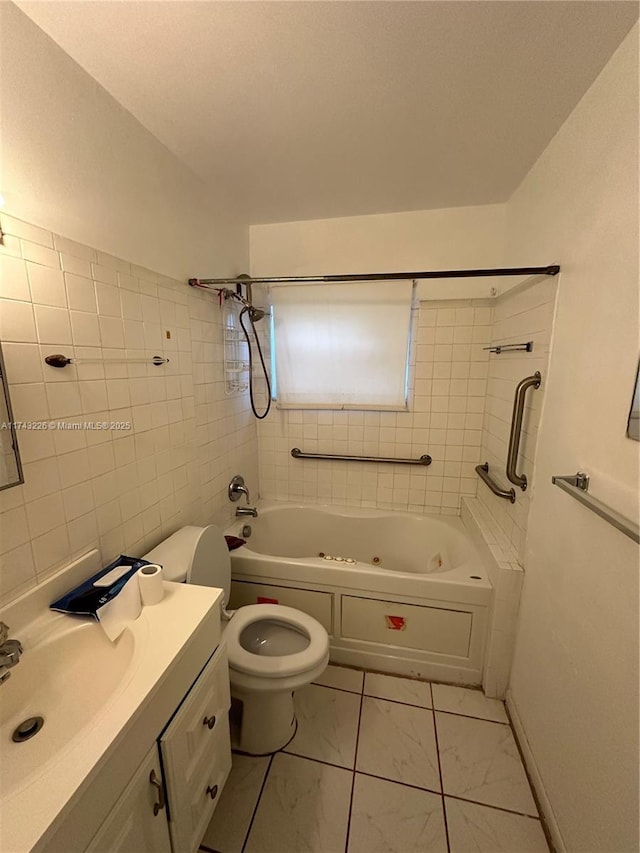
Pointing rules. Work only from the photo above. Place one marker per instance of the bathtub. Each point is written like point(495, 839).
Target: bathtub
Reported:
point(397, 592)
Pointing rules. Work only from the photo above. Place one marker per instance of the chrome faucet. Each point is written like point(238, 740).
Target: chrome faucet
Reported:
point(10, 651)
point(236, 489)
point(241, 511)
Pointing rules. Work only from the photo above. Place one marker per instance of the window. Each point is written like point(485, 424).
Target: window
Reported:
point(341, 346)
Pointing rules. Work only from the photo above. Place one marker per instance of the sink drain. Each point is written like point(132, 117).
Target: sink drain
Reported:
point(27, 729)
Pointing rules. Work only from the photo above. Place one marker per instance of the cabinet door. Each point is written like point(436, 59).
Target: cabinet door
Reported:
point(136, 824)
point(196, 754)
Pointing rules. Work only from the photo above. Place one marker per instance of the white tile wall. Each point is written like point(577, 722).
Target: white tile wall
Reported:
point(522, 314)
point(507, 578)
point(448, 383)
point(118, 490)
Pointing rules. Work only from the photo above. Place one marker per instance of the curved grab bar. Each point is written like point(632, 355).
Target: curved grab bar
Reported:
point(516, 428)
point(483, 472)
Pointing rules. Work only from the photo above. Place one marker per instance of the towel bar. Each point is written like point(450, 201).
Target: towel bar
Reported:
point(59, 360)
point(577, 485)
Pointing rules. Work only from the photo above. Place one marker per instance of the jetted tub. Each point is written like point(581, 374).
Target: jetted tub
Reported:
point(397, 592)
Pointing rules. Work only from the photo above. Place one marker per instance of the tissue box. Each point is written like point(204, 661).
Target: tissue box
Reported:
point(98, 590)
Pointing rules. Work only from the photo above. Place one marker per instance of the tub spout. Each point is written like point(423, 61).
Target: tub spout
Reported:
point(246, 510)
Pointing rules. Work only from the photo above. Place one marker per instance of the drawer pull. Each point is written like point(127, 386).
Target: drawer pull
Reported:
point(213, 792)
point(209, 721)
point(157, 784)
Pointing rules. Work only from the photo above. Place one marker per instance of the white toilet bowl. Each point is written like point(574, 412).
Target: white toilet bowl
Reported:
point(273, 650)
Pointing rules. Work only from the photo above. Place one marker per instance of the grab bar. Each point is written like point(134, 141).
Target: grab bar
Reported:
point(425, 459)
point(577, 485)
point(483, 472)
point(516, 428)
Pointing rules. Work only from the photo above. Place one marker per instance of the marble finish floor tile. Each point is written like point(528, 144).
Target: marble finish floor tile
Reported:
point(398, 689)
point(398, 743)
point(304, 807)
point(470, 703)
point(327, 725)
point(228, 827)
point(480, 761)
point(342, 678)
point(479, 829)
point(391, 818)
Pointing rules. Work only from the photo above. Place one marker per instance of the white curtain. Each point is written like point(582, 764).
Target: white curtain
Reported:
point(342, 346)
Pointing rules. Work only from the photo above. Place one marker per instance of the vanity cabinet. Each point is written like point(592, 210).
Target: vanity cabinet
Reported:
point(196, 754)
point(169, 801)
point(137, 822)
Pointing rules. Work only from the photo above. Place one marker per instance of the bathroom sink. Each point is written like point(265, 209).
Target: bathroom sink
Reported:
point(68, 674)
point(103, 704)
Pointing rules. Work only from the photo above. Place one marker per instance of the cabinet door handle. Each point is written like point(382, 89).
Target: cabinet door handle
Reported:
point(209, 721)
point(157, 784)
point(213, 792)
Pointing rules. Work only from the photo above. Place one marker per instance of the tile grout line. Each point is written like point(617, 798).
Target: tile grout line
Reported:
point(496, 808)
point(354, 771)
point(410, 785)
point(444, 808)
point(341, 689)
point(255, 808)
point(365, 773)
point(470, 717)
point(403, 784)
point(316, 760)
point(355, 762)
point(412, 705)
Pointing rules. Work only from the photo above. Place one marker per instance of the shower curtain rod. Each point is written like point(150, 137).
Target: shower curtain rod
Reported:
point(553, 269)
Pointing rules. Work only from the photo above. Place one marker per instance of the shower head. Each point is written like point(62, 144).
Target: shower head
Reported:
point(255, 314)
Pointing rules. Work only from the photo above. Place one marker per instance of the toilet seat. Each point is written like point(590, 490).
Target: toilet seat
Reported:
point(278, 666)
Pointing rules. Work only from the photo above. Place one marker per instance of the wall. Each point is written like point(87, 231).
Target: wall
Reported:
point(447, 386)
point(523, 314)
point(452, 238)
point(574, 683)
point(118, 490)
point(448, 375)
point(76, 162)
point(135, 223)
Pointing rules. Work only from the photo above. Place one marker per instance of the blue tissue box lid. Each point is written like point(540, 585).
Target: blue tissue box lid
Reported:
point(85, 599)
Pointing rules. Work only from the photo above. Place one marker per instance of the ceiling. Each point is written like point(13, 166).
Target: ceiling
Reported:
point(308, 110)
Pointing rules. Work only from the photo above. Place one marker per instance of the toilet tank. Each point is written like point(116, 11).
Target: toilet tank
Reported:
point(197, 555)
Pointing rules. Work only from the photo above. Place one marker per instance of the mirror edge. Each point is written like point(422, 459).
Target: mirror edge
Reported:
point(14, 437)
point(633, 421)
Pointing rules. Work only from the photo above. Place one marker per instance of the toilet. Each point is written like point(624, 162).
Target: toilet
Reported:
point(273, 650)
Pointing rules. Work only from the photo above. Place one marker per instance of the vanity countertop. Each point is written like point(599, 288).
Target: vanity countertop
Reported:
point(171, 642)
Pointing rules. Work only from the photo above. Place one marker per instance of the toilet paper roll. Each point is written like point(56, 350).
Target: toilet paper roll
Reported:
point(150, 583)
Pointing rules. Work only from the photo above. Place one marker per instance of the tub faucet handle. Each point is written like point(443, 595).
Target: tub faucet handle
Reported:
point(237, 488)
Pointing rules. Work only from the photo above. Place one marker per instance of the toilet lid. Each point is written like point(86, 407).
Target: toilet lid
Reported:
point(275, 666)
